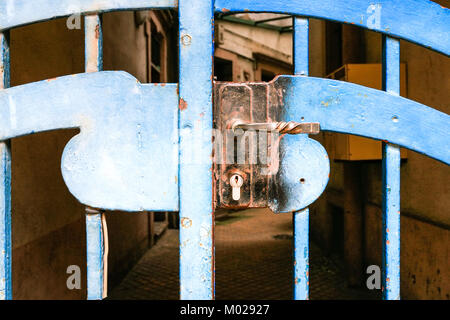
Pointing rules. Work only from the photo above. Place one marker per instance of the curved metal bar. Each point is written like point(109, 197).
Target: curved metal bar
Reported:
point(126, 155)
point(15, 13)
point(349, 108)
point(420, 21)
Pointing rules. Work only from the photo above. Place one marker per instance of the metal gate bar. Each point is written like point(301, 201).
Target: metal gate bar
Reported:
point(195, 124)
point(94, 254)
point(94, 230)
point(391, 180)
point(301, 218)
point(195, 187)
point(18, 13)
point(5, 185)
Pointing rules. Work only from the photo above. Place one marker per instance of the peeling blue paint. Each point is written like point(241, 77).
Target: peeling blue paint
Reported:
point(314, 172)
point(196, 241)
point(94, 253)
point(368, 112)
point(301, 254)
point(391, 178)
point(5, 184)
point(14, 13)
point(103, 166)
point(420, 21)
point(129, 148)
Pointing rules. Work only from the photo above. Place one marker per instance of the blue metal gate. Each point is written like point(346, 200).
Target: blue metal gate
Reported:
point(104, 103)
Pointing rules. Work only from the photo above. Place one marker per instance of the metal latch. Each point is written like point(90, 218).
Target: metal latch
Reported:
point(247, 134)
point(290, 127)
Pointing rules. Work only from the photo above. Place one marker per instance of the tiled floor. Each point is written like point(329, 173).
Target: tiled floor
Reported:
point(253, 261)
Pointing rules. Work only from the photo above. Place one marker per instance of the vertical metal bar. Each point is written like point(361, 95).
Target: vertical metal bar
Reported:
point(5, 185)
point(94, 228)
point(301, 218)
point(94, 246)
point(93, 43)
point(195, 123)
point(391, 180)
point(301, 254)
point(301, 46)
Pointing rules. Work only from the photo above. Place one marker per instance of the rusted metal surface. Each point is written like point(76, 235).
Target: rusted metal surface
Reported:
point(249, 131)
point(246, 153)
point(391, 180)
point(281, 127)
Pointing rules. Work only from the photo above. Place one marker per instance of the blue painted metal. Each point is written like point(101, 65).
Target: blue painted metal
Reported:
point(96, 277)
point(94, 246)
point(302, 175)
point(93, 47)
point(349, 108)
point(5, 185)
point(14, 13)
point(391, 181)
point(126, 155)
point(301, 254)
point(301, 46)
point(196, 207)
point(419, 21)
point(301, 218)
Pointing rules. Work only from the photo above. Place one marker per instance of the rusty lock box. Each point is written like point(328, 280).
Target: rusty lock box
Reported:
point(246, 161)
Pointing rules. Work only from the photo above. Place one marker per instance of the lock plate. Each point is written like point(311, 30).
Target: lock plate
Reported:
point(253, 141)
point(238, 152)
point(251, 153)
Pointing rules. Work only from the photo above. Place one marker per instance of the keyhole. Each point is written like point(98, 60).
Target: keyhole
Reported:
point(236, 182)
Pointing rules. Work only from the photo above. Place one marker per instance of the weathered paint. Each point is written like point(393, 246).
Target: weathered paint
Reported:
point(302, 176)
point(14, 13)
point(301, 218)
point(304, 164)
point(5, 185)
point(126, 154)
point(93, 44)
point(301, 254)
point(289, 173)
point(301, 46)
point(93, 61)
point(113, 109)
point(196, 241)
point(94, 252)
point(391, 180)
point(349, 108)
point(420, 21)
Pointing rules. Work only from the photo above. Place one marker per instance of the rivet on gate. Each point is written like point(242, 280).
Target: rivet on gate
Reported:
point(186, 40)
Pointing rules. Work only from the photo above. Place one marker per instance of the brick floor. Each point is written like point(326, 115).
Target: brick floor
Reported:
point(253, 261)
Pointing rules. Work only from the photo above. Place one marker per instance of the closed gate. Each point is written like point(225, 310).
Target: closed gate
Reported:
point(156, 140)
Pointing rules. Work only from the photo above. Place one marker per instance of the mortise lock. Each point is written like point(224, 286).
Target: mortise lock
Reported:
point(236, 182)
point(258, 162)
